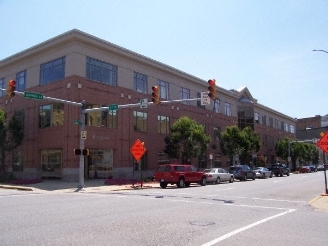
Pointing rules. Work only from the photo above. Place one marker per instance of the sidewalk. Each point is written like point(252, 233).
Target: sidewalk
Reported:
point(319, 203)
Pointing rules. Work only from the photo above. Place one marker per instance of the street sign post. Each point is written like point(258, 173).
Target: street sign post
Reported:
point(33, 95)
point(205, 99)
point(144, 103)
point(113, 107)
point(137, 150)
point(323, 143)
point(84, 135)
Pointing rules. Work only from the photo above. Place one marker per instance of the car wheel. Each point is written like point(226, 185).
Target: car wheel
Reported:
point(281, 174)
point(270, 175)
point(277, 174)
point(187, 184)
point(231, 180)
point(217, 180)
point(203, 181)
point(181, 183)
point(163, 185)
point(245, 177)
point(287, 173)
point(255, 177)
point(263, 176)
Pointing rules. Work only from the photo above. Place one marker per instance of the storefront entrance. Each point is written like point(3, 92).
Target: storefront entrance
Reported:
point(99, 164)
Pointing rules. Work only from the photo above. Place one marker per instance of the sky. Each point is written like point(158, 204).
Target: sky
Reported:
point(264, 45)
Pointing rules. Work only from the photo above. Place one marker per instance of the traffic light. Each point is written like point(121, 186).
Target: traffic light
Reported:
point(77, 151)
point(155, 95)
point(85, 152)
point(212, 89)
point(11, 88)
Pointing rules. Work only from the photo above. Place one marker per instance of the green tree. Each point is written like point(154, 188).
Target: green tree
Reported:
point(244, 142)
point(186, 140)
point(11, 137)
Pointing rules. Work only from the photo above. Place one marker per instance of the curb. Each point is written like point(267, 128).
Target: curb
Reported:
point(16, 187)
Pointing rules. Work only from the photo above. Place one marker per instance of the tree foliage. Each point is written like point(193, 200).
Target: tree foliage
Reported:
point(11, 136)
point(244, 142)
point(186, 140)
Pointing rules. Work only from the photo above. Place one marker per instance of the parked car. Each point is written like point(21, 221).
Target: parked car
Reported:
point(305, 169)
point(279, 169)
point(179, 174)
point(320, 168)
point(262, 172)
point(218, 175)
point(242, 172)
point(313, 168)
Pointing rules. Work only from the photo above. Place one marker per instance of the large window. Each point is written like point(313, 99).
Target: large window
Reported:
point(51, 115)
point(140, 121)
point(51, 163)
point(20, 115)
point(101, 71)
point(264, 121)
point(101, 118)
point(217, 133)
point(185, 94)
point(163, 124)
point(21, 81)
point(216, 106)
point(2, 86)
point(163, 89)
point(52, 71)
point(140, 83)
point(227, 109)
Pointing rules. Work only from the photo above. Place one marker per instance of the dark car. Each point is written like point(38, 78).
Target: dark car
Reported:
point(242, 172)
point(313, 168)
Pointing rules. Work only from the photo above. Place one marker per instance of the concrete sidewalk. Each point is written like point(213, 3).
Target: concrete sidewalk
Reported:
point(319, 203)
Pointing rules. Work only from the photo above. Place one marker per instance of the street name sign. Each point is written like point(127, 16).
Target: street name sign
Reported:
point(33, 95)
point(112, 107)
point(77, 122)
point(205, 99)
point(323, 143)
point(137, 150)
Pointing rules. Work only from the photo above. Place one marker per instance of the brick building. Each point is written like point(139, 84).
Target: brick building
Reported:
point(76, 66)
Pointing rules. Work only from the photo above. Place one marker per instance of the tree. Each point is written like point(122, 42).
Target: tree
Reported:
point(186, 140)
point(234, 141)
point(11, 136)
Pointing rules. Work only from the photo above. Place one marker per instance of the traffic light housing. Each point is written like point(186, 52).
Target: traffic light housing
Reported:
point(155, 95)
point(212, 89)
point(77, 151)
point(85, 152)
point(11, 88)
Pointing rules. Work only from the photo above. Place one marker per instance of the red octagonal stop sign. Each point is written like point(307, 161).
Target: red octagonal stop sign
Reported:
point(137, 150)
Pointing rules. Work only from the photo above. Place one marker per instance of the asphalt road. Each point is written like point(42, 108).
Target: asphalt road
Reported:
point(262, 212)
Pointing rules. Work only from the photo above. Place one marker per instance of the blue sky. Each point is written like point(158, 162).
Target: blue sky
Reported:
point(265, 45)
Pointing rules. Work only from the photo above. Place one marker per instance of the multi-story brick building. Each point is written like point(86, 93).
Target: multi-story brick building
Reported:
point(76, 66)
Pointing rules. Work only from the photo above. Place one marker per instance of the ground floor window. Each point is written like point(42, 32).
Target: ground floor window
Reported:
point(51, 163)
point(99, 164)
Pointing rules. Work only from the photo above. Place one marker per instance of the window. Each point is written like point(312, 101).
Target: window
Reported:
point(185, 94)
point(101, 118)
point(140, 83)
point(2, 86)
point(51, 115)
point(264, 120)
point(257, 117)
point(271, 121)
point(199, 103)
point(163, 89)
point(286, 127)
point(216, 106)
point(217, 132)
point(101, 71)
point(17, 161)
point(140, 121)
point(21, 81)
point(292, 129)
point(20, 115)
point(52, 71)
point(51, 163)
point(163, 124)
point(282, 126)
point(227, 109)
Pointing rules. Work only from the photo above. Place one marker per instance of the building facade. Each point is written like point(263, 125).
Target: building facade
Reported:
point(78, 67)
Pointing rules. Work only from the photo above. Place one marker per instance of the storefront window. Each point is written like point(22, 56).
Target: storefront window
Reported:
point(51, 163)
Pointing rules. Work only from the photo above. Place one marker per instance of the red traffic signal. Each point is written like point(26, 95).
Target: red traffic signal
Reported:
point(212, 89)
point(155, 95)
point(11, 88)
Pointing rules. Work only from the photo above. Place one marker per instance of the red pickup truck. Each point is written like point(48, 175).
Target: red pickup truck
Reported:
point(179, 174)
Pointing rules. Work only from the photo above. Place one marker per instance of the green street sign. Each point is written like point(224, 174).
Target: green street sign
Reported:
point(33, 95)
point(77, 122)
point(113, 107)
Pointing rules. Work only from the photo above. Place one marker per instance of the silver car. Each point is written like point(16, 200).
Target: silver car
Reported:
point(218, 175)
point(262, 172)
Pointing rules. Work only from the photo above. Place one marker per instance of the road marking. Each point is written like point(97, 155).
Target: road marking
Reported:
point(276, 200)
point(230, 234)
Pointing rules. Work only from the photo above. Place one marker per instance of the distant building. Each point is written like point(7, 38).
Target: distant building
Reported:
point(76, 66)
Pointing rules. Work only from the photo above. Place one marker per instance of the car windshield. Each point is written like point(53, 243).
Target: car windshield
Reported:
point(209, 171)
